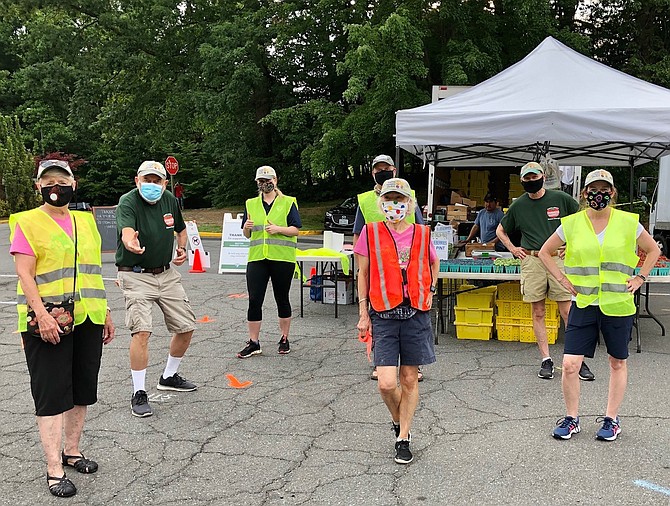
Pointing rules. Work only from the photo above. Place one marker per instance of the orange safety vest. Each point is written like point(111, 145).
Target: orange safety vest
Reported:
point(386, 277)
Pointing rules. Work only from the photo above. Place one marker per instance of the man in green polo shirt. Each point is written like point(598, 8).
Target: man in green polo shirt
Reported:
point(537, 214)
point(147, 218)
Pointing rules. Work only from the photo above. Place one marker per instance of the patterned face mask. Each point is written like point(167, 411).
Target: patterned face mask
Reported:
point(394, 211)
point(598, 200)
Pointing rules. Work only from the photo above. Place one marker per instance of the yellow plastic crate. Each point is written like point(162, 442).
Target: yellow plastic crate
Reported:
point(510, 291)
point(455, 285)
point(521, 329)
point(481, 298)
point(469, 315)
point(479, 331)
point(520, 309)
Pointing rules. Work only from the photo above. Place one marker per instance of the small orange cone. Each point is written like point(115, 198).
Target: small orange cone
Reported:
point(197, 263)
point(205, 319)
point(235, 383)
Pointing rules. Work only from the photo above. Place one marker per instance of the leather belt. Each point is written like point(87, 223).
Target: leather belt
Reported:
point(535, 252)
point(138, 269)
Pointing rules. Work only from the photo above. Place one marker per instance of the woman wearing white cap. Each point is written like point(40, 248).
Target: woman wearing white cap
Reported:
point(398, 268)
point(600, 259)
point(272, 222)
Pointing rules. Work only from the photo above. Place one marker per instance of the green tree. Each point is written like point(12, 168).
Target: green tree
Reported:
point(16, 169)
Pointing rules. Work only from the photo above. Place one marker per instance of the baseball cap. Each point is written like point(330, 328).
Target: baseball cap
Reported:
point(383, 158)
point(53, 164)
point(265, 172)
point(397, 185)
point(151, 167)
point(532, 167)
point(489, 197)
point(599, 175)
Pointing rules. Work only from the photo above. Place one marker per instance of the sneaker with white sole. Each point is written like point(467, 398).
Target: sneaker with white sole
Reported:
point(585, 373)
point(566, 427)
point(283, 347)
point(546, 369)
point(252, 348)
point(139, 404)
point(610, 430)
point(403, 455)
point(176, 383)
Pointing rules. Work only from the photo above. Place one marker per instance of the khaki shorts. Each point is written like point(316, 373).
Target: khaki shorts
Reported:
point(165, 289)
point(537, 284)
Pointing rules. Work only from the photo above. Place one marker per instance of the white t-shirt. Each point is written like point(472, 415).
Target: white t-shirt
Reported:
point(601, 238)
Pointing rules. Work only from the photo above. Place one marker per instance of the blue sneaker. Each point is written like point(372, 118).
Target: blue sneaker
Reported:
point(566, 427)
point(610, 429)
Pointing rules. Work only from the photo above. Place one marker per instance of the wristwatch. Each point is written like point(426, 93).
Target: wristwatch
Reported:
point(643, 278)
point(433, 288)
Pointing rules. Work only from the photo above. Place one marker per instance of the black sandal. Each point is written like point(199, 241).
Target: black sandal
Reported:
point(82, 464)
point(62, 488)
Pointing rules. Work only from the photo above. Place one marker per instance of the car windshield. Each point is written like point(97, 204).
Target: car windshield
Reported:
point(350, 203)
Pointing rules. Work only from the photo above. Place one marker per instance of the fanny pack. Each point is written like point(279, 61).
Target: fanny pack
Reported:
point(397, 313)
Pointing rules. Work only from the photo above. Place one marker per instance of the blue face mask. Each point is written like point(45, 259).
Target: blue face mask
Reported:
point(151, 192)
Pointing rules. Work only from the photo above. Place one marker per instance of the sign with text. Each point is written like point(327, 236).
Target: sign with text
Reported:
point(234, 246)
point(195, 243)
point(171, 165)
point(105, 219)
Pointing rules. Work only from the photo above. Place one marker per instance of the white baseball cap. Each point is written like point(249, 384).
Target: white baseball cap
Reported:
point(151, 167)
point(265, 172)
point(384, 159)
point(397, 185)
point(531, 168)
point(598, 175)
point(53, 164)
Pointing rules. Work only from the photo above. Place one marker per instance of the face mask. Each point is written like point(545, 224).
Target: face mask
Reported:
point(533, 186)
point(598, 200)
point(58, 195)
point(266, 187)
point(394, 211)
point(151, 192)
point(383, 176)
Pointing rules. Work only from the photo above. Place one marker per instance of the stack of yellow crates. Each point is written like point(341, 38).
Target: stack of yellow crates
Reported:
point(514, 319)
point(515, 187)
point(460, 179)
point(479, 186)
point(474, 313)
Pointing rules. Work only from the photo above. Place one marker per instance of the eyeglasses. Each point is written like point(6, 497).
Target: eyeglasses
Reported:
point(54, 163)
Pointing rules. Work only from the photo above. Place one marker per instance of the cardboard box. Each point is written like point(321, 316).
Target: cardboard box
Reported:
point(475, 246)
point(459, 199)
point(457, 213)
point(345, 293)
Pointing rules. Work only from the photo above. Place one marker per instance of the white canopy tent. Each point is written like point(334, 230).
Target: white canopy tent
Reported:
point(555, 101)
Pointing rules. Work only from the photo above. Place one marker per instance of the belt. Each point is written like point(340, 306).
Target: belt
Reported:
point(535, 252)
point(138, 269)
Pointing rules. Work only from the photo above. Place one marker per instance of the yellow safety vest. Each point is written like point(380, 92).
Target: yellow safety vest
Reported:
point(266, 246)
point(367, 202)
point(54, 269)
point(600, 272)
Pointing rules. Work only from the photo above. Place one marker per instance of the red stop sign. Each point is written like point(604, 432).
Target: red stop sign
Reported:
point(171, 165)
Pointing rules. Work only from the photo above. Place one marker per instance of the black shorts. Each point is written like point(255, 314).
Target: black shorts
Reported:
point(584, 325)
point(66, 374)
point(410, 340)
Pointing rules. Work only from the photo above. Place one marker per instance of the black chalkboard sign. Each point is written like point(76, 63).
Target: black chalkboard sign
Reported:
point(105, 219)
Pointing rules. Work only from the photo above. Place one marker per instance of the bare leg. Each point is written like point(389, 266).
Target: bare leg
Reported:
point(51, 430)
point(617, 386)
point(570, 383)
point(284, 326)
point(540, 327)
point(254, 330)
point(73, 424)
point(389, 389)
point(564, 309)
point(180, 343)
point(139, 351)
point(409, 385)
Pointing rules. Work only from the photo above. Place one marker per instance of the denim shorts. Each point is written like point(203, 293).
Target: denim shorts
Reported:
point(584, 326)
point(409, 340)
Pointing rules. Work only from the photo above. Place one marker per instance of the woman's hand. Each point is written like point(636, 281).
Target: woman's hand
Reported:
point(565, 283)
point(363, 322)
point(634, 283)
point(108, 329)
point(49, 329)
point(519, 252)
point(248, 225)
point(273, 229)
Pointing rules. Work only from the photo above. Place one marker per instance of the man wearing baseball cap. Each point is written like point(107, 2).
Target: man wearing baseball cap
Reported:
point(537, 214)
point(383, 169)
point(147, 218)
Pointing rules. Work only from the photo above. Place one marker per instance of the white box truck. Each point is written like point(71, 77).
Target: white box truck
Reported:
point(659, 216)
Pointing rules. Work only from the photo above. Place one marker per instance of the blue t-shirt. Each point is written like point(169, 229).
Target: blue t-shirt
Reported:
point(488, 222)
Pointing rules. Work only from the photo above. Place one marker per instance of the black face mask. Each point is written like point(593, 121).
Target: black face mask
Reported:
point(533, 186)
point(58, 195)
point(382, 176)
point(266, 187)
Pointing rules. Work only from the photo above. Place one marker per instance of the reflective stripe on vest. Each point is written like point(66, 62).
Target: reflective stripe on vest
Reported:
point(386, 280)
point(600, 272)
point(367, 202)
point(54, 267)
point(266, 246)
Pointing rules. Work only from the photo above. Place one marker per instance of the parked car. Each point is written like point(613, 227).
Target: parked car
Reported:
point(341, 218)
point(79, 206)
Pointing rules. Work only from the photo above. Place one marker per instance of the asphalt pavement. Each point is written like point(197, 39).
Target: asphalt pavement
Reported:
point(312, 429)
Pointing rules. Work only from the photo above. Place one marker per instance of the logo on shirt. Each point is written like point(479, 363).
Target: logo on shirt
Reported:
point(553, 213)
point(169, 220)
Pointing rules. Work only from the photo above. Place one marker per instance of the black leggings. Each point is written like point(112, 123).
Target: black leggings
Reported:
point(258, 275)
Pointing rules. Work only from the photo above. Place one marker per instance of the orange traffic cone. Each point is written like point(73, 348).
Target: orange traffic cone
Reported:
point(205, 319)
point(197, 262)
point(235, 383)
point(312, 273)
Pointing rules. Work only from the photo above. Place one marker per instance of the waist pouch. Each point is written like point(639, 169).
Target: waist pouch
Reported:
point(397, 313)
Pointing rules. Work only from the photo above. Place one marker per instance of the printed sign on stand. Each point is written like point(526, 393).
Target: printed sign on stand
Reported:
point(234, 246)
point(196, 244)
